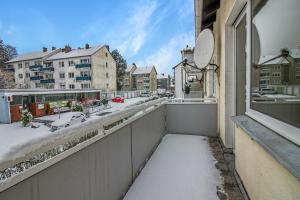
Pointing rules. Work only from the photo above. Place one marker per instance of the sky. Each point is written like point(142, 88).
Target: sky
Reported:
point(147, 32)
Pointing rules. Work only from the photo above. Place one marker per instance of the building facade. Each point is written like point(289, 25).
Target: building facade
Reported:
point(67, 68)
point(127, 78)
point(163, 82)
point(144, 78)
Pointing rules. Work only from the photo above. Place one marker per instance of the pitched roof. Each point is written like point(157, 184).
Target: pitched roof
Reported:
point(30, 56)
point(143, 70)
point(161, 76)
point(76, 53)
point(129, 68)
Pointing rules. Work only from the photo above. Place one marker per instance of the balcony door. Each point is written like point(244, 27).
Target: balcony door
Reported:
point(240, 65)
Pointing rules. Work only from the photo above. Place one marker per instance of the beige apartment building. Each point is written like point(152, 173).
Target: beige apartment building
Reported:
point(127, 78)
point(66, 68)
point(144, 78)
point(263, 130)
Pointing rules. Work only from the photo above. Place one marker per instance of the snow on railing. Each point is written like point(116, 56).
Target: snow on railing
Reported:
point(38, 151)
point(193, 100)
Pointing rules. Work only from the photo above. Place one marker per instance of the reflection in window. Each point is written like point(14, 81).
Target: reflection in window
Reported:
point(275, 78)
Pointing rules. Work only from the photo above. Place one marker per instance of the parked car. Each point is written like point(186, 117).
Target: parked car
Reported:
point(264, 91)
point(68, 119)
point(145, 94)
point(118, 99)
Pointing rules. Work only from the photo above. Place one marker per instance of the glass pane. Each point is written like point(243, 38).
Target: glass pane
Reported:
point(275, 79)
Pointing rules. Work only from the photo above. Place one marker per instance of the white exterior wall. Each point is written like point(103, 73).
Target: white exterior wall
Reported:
point(25, 81)
point(69, 69)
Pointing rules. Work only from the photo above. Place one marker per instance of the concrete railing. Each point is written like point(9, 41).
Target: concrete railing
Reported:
point(192, 116)
point(104, 166)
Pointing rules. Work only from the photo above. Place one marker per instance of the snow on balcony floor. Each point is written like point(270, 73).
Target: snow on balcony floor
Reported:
point(182, 167)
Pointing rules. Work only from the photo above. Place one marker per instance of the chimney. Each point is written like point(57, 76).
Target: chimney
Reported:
point(107, 46)
point(87, 46)
point(53, 48)
point(45, 49)
point(67, 49)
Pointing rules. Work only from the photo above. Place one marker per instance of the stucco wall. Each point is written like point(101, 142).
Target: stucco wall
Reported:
point(219, 57)
point(262, 176)
point(99, 70)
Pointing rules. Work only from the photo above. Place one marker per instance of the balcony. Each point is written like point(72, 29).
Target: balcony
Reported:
point(47, 69)
point(83, 65)
point(46, 81)
point(83, 78)
point(144, 152)
point(36, 78)
point(35, 67)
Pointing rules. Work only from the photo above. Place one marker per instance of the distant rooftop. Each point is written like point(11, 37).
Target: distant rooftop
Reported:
point(76, 53)
point(31, 56)
point(143, 70)
point(161, 76)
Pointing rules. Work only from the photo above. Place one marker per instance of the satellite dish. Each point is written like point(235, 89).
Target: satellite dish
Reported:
point(204, 48)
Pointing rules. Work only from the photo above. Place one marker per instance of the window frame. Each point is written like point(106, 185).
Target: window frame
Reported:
point(286, 130)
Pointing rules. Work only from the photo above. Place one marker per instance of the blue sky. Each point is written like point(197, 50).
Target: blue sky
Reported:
point(147, 32)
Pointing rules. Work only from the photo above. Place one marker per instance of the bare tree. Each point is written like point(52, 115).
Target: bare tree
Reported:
point(7, 52)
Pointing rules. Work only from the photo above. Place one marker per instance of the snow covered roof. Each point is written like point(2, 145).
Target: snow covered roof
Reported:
point(162, 76)
point(143, 70)
point(280, 60)
point(128, 69)
point(76, 53)
point(31, 56)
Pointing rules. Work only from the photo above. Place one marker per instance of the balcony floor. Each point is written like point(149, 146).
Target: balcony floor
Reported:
point(185, 167)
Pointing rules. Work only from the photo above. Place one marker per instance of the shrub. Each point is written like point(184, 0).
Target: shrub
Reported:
point(77, 108)
point(26, 118)
point(104, 101)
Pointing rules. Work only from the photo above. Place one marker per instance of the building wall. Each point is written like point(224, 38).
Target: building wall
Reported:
point(262, 176)
point(99, 70)
point(219, 58)
point(153, 80)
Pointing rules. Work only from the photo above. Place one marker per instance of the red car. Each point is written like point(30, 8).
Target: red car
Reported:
point(118, 99)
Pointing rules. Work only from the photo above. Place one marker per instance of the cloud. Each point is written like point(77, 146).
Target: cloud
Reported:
point(168, 55)
point(186, 10)
point(136, 29)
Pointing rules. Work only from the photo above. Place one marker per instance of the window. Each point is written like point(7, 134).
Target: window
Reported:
point(62, 86)
point(85, 86)
point(106, 54)
point(26, 64)
point(85, 61)
point(20, 75)
point(85, 73)
point(62, 75)
point(27, 75)
point(20, 65)
point(107, 85)
point(71, 75)
point(106, 75)
point(48, 64)
point(71, 63)
point(106, 65)
point(298, 75)
point(71, 86)
point(275, 53)
point(61, 64)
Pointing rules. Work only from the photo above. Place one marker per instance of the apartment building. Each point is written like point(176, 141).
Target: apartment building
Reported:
point(127, 78)
point(163, 81)
point(67, 68)
point(144, 78)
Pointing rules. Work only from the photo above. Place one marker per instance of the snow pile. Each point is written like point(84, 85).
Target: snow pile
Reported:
point(182, 167)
